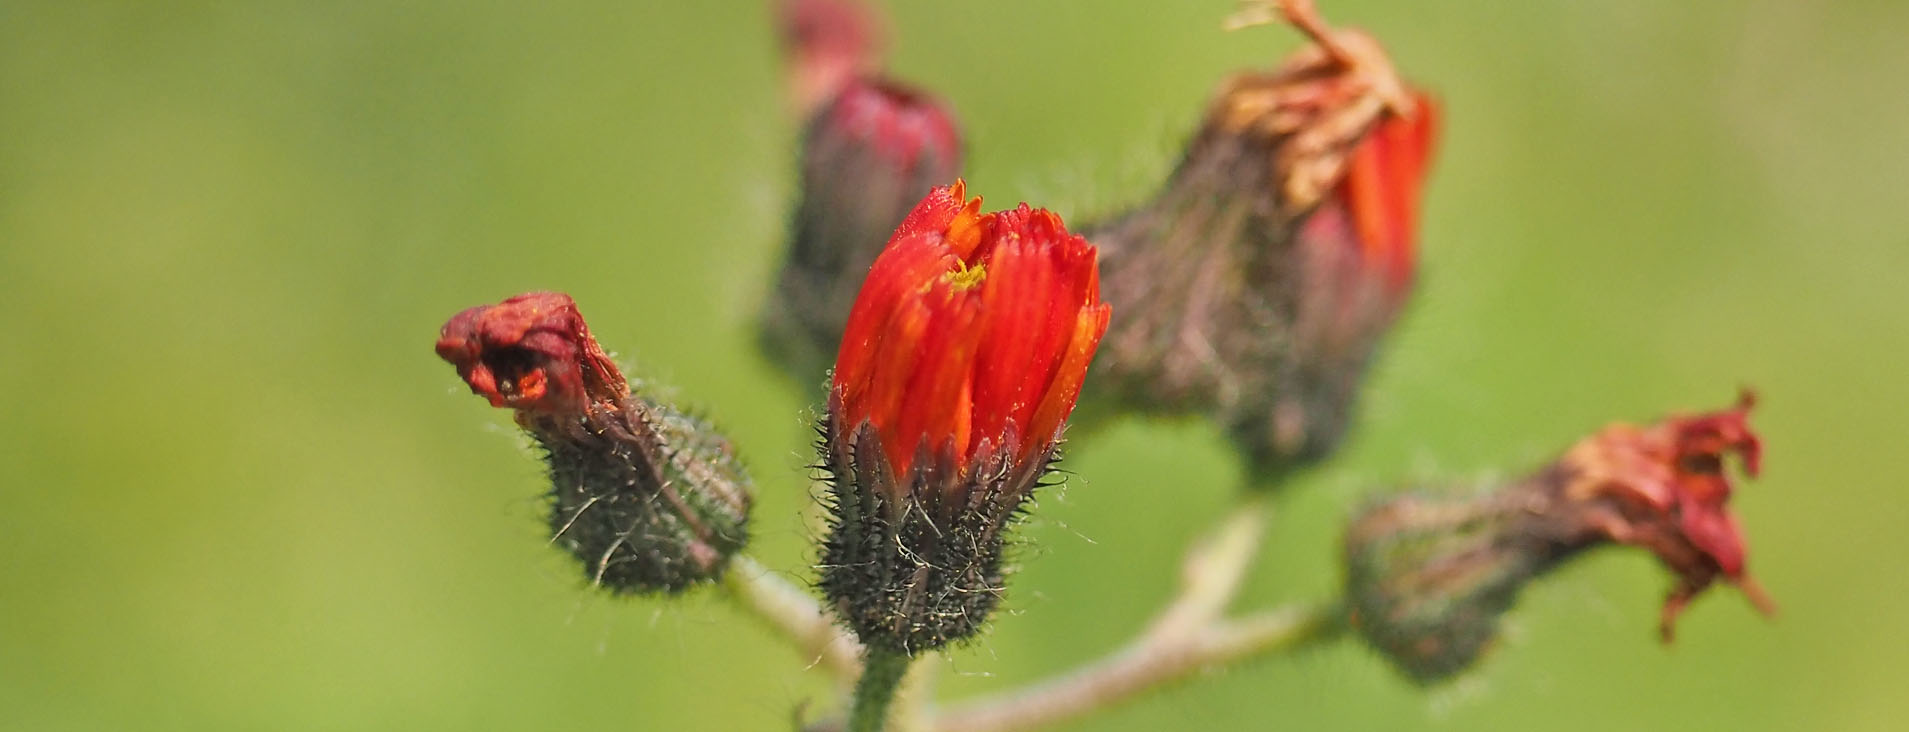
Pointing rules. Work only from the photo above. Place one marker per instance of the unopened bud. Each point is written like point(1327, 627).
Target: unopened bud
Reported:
point(828, 44)
point(874, 151)
point(1255, 285)
point(648, 499)
point(963, 357)
point(1429, 577)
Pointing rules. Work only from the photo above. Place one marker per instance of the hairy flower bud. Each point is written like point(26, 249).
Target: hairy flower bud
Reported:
point(963, 357)
point(1257, 282)
point(647, 498)
point(1428, 577)
point(867, 158)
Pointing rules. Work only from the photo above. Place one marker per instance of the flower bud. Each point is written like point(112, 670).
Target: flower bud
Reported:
point(648, 499)
point(867, 158)
point(963, 356)
point(829, 44)
point(1257, 282)
point(1428, 577)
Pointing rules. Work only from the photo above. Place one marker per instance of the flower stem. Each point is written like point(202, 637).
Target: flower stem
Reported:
point(882, 671)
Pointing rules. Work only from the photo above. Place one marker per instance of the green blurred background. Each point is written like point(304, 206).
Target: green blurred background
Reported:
point(237, 491)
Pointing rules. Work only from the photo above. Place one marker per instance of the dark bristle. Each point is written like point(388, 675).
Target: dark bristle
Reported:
point(648, 500)
point(927, 569)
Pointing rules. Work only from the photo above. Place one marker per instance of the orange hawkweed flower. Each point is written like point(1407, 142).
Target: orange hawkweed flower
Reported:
point(962, 358)
point(972, 333)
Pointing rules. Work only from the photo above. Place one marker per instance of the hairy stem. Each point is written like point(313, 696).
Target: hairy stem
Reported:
point(882, 672)
point(1190, 634)
point(1143, 666)
point(788, 610)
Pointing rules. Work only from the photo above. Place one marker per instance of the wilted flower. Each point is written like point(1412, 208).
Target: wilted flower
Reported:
point(1428, 577)
point(963, 356)
point(1256, 283)
point(1665, 488)
point(647, 498)
point(531, 353)
point(868, 156)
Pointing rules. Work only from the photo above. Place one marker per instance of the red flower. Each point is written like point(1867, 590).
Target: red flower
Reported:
point(972, 332)
point(962, 357)
point(1667, 489)
point(533, 353)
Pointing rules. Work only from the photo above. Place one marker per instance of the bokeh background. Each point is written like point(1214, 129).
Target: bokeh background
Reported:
point(237, 491)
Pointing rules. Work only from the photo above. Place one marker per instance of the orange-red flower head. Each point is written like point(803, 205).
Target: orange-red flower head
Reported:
point(963, 355)
point(532, 353)
point(973, 330)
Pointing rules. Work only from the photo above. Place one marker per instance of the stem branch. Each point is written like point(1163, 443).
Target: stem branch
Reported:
point(1141, 667)
point(788, 610)
point(1189, 635)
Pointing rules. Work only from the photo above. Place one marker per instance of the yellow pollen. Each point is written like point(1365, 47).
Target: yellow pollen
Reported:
point(965, 277)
